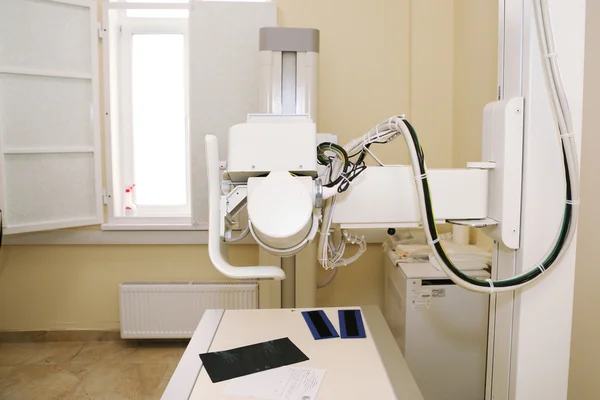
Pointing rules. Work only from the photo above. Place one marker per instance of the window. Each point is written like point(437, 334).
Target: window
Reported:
point(149, 178)
point(157, 86)
point(59, 166)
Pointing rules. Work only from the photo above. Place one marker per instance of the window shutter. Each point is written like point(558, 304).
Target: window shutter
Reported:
point(50, 160)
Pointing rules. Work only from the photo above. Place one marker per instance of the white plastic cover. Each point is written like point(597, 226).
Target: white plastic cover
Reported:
point(280, 208)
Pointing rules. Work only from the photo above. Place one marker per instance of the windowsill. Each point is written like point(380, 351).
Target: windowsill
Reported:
point(68, 237)
point(151, 227)
point(121, 231)
point(152, 224)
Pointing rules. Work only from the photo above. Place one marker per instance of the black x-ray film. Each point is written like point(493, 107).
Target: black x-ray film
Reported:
point(229, 364)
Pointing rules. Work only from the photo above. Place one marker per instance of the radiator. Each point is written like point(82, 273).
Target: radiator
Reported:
point(172, 310)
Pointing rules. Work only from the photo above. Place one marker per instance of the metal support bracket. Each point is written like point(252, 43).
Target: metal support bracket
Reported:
point(503, 145)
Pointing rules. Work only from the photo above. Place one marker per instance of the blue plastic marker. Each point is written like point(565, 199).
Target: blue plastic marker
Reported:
point(351, 324)
point(320, 326)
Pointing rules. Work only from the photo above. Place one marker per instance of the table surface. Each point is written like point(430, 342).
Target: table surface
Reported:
point(355, 368)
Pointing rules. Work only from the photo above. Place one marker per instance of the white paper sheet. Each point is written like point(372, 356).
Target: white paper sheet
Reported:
point(285, 383)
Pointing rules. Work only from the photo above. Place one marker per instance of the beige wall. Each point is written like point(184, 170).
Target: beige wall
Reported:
point(356, 284)
point(76, 287)
point(378, 58)
point(364, 61)
point(475, 73)
point(431, 86)
point(475, 80)
point(585, 344)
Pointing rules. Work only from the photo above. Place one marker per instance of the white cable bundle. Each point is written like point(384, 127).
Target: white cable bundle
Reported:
point(330, 257)
point(384, 132)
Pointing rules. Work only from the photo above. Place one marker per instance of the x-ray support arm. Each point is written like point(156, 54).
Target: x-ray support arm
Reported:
point(382, 197)
point(217, 249)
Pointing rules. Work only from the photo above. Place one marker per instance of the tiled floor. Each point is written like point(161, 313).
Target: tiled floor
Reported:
point(92, 370)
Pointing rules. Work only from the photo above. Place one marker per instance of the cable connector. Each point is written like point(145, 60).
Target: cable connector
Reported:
point(433, 241)
point(420, 177)
point(345, 178)
point(572, 202)
point(366, 149)
point(567, 135)
point(491, 282)
point(541, 268)
point(551, 55)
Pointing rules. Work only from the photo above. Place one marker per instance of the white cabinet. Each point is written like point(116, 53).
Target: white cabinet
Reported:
point(440, 328)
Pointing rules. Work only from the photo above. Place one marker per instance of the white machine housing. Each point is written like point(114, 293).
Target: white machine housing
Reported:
point(390, 196)
point(287, 221)
point(272, 163)
point(440, 328)
point(272, 143)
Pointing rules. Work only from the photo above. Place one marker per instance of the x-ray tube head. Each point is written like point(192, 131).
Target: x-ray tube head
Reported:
point(280, 210)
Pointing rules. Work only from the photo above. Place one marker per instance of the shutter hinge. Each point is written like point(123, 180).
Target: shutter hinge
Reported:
point(101, 30)
point(105, 196)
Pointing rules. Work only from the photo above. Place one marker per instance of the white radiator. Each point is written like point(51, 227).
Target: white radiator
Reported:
point(170, 310)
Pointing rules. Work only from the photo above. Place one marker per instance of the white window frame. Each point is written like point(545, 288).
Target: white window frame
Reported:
point(141, 26)
point(152, 217)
